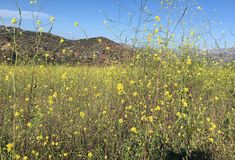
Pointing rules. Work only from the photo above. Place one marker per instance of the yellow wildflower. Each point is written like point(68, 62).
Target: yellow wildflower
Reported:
point(184, 103)
point(189, 61)
point(13, 21)
point(157, 18)
point(55, 95)
point(89, 155)
point(17, 157)
point(64, 76)
point(10, 147)
point(156, 31)
point(158, 108)
point(76, 24)
point(17, 114)
point(52, 19)
point(186, 89)
point(82, 114)
point(135, 94)
point(151, 119)
point(29, 124)
point(134, 130)
point(132, 82)
point(208, 119)
point(120, 88)
point(213, 126)
point(25, 158)
point(39, 22)
point(178, 114)
point(108, 48)
point(120, 120)
point(62, 40)
point(211, 139)
point(46, 55)
point(50, 100)
point(66, 154)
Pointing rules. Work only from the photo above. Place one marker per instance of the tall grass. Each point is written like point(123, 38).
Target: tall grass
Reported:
point(168, 109)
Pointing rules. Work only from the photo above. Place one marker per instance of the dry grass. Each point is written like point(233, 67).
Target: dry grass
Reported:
point(168, 109)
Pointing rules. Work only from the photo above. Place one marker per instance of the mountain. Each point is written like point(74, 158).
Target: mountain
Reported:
point(226, 54)
point(97, 50)
point(90, 51)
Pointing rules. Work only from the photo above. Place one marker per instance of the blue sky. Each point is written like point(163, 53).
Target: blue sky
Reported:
point(90, 15)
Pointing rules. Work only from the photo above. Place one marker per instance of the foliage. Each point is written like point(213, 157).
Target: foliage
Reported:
point(168, 108)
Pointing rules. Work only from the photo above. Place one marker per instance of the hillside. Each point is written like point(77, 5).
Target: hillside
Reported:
point(98, 50)
point(227, 54)
point(91, 51)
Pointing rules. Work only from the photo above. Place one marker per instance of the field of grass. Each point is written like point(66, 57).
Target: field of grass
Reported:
point(157, 109)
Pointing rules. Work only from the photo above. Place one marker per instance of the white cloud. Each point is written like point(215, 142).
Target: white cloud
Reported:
point(6, 13)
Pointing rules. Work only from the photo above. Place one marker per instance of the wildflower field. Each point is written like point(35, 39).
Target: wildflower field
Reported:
point(156, 108)
point(162, 89)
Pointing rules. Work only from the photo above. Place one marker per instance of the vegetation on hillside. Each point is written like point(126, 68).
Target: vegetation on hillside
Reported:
point(47, 48)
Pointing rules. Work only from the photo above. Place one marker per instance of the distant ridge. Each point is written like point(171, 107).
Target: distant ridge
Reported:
point(96, 50)
point(226, 54)
point(90, 51)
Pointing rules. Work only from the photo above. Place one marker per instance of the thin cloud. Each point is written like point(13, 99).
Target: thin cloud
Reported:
point(6, 13)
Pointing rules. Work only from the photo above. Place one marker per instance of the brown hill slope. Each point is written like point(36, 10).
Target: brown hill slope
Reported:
point(98, 50)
